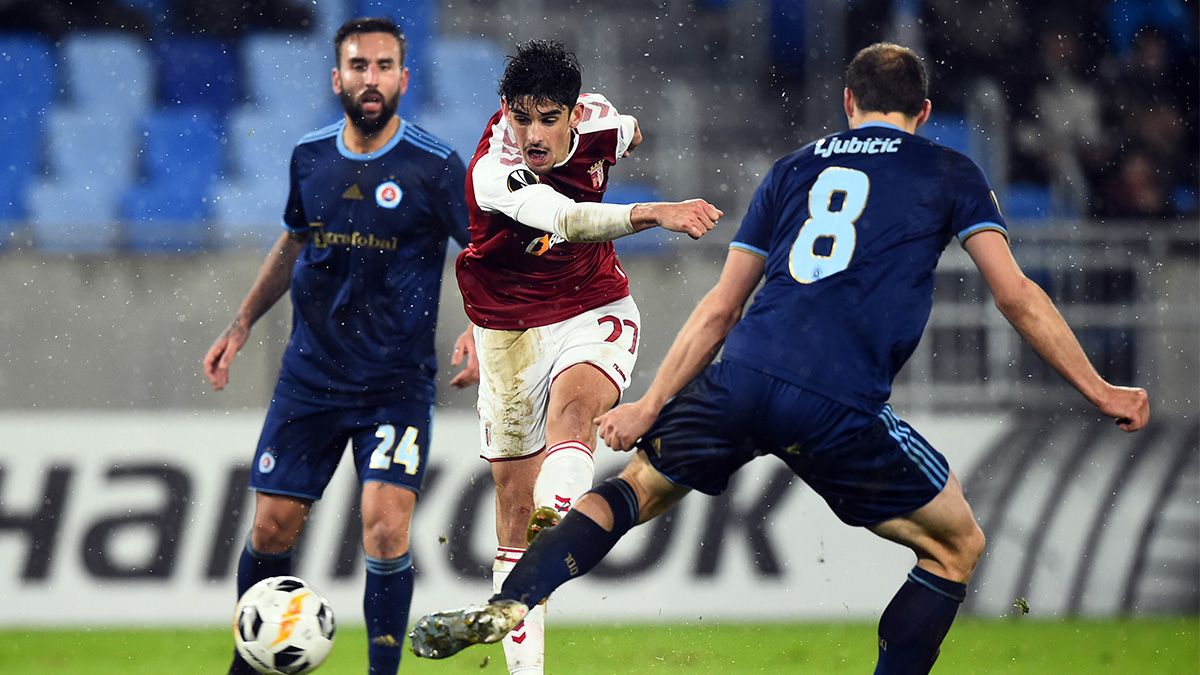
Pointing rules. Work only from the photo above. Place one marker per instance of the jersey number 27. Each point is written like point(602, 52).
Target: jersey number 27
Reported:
point(805, 264)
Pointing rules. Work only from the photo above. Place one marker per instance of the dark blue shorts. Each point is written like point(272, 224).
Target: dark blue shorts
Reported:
point(868, 468)
point(303, 440)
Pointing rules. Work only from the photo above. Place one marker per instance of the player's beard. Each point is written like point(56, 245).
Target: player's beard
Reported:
point(369, 126)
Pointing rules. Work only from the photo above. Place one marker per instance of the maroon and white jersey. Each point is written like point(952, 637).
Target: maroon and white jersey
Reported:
point(513, 276)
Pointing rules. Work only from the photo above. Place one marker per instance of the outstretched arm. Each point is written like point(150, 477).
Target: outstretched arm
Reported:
point(1031, 312)
point(694, 348)
point(274, 278)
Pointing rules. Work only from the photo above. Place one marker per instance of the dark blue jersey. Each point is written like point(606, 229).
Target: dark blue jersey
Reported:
point(851, 227)
point(365, 288)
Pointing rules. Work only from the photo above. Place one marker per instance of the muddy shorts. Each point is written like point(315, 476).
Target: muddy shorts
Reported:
point(517, 367)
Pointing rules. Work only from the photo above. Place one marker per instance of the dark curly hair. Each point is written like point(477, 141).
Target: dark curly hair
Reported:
point(542, 71)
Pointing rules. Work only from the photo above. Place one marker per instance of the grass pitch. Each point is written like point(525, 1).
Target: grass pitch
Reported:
point(1018, 645)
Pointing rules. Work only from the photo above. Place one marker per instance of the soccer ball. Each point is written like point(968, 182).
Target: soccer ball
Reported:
point(283, 626)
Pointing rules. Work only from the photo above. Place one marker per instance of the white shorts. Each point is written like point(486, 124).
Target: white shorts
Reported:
point(516, 369)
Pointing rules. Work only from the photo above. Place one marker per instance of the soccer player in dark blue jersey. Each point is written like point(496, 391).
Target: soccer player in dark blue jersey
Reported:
point(847, 231)
point(373, 201)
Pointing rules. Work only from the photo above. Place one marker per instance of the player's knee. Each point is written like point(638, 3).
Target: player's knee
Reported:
point(621, 502)
point(386, 537)
point(973, 546)
point(274, 532)
point(962, 552)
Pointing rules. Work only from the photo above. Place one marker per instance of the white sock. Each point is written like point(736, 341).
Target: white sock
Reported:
point(566, 474)
point(525, 646)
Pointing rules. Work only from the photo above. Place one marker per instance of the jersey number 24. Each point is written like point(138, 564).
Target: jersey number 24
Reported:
point(805, 264)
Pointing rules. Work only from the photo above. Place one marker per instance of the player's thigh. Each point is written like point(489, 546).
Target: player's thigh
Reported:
point(391, 442)
point(578, 395)
point(387, 518)
point(942, 532)
point(867, 468)
point(514, 391)
point(605, 338)
point(704, 434)
point(299, 448)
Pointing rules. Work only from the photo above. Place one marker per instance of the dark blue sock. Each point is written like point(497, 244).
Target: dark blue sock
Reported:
point(571, 548)
point(253, 567)
point(385, 605)
point(914, 623)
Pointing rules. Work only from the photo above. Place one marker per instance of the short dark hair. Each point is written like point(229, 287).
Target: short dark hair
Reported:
point(886, 77)
point(542, 71)
point(367, 24)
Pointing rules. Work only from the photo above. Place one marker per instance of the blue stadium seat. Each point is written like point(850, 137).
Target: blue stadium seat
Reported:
point(1027, 201)
point(91, 148)
point(249, 212)
point(289, 77)
point(459, 127)
point(108, 72)
point(465, 74)
point(260, 143)
point(198, 72)
point(651, 242)
point(26, 66)
point(72, 217)
point(949, 130)
point(417, 18)
point(181, 160)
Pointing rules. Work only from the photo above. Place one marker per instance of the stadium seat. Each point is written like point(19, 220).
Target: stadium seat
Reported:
point(459, 127)
point(72, 217)
point(109, 72)
point(465, 73)
point(949, 130)
point(417, 19)
point(652, 242)
point(248, 212)
point(181, 160)
point(260, 144)
point(290, 77)
point(90, 147)
point(198, 72)
point(26, 66)
point(1027, 201)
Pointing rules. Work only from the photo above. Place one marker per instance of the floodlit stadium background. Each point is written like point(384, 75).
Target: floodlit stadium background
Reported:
point(144, 172)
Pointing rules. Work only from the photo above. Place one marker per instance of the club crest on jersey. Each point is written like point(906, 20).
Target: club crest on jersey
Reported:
point(266, 461)
point(520, 178)
point(388, 195)
point(597, 174)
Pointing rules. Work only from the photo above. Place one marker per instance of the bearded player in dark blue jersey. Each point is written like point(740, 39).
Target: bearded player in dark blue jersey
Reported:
point(847, 231)
point(373, 201)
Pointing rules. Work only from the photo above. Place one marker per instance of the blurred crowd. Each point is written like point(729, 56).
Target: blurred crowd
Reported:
point(1101, 94)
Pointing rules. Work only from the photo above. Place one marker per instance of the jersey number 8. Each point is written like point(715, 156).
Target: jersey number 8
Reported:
point(805, 264)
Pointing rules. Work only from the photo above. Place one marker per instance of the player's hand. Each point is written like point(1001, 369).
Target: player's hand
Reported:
point(695, 217)
point(1130, 406)
point(622, 426)
point(220, 354)
point(464, 348)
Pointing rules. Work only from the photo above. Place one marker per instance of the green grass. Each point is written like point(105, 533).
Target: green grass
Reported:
point(1144, 647)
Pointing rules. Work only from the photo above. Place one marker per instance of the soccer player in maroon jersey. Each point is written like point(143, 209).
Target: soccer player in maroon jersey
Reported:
point(555, 331)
